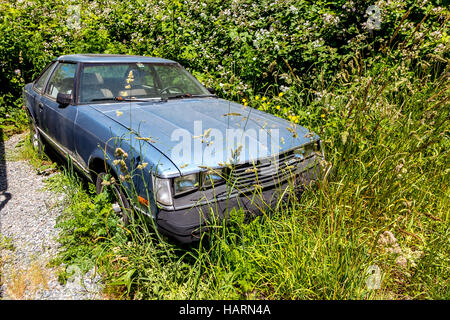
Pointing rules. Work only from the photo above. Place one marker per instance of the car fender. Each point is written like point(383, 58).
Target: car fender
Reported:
point(106, 159)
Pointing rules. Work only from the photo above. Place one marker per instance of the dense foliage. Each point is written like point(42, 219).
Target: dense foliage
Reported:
point(377, 97)
point(239, 47)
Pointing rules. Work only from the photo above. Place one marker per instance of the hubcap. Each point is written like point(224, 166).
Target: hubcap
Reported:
point(35, 140)
point(116, 208)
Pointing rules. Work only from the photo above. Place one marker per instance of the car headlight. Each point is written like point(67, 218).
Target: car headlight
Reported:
point(185, 183)
point(212, 177)
point(305, 151)
point(162, 191)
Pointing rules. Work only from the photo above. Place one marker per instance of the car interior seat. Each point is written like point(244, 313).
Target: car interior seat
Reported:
point(93, 87)
point(137, 86)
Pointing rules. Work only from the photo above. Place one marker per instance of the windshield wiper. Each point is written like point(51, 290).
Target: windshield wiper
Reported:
point(120, 99)
point(188, 95)
point(203, 95)
point(104, 99)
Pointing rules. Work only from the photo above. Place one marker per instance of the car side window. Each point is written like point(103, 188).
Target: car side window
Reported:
point(40, 82)
point(62, 79)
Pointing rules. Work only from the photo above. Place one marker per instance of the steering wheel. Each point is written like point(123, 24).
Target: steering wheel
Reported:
point(170, 87)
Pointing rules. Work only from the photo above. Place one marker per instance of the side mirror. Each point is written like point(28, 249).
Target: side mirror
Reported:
point(63, 99)
point(212, 91)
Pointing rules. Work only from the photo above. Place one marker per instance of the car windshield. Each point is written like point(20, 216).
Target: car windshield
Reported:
point(117, 81)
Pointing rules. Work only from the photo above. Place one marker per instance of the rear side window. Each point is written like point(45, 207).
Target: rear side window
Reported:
point(62, 80)
point(40, 82)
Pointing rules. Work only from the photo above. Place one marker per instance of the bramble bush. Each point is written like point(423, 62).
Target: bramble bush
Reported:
point(241, 48)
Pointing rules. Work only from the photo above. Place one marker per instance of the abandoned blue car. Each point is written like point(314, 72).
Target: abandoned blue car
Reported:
point(166, 146)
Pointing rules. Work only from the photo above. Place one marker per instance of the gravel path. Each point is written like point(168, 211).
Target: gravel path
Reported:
point(27, 235)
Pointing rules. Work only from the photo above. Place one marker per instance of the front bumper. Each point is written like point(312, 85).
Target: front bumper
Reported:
point(187, 225)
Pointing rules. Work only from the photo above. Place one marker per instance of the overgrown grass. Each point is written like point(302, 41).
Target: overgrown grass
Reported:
point(6, 248)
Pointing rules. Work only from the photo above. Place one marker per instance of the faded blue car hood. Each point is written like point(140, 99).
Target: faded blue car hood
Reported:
point(183, 124)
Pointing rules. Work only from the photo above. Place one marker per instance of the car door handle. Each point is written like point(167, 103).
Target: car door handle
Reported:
point(41, 106)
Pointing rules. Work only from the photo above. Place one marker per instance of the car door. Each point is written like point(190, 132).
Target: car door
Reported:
point(58, 120)
point(34, 96)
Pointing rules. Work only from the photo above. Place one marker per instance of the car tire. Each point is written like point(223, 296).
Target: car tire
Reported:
point(35, 138)
point(118, 196)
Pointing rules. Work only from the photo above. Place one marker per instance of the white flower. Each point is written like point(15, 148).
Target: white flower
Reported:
point(284, 88)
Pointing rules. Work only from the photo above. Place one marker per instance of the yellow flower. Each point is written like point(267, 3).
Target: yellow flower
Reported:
point(245, 104)
point(264, 98)
point(121, 153)
point(257, 98)
point(280, 94)
point(277, 107)
point(322, 115)
point(142, 165)
point(244, 100)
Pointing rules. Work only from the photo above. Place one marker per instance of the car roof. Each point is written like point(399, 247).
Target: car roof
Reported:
point(113, 58)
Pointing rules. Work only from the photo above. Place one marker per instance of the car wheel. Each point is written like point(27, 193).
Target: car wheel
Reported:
point(35, 137)
point(121, 204)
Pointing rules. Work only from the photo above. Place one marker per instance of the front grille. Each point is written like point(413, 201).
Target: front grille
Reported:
point(263, 172)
